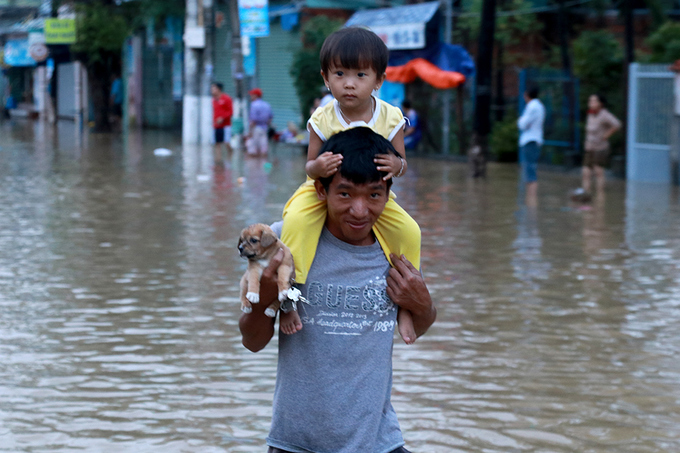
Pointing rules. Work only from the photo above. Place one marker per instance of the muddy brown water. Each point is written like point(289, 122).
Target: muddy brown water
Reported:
point(557, 329)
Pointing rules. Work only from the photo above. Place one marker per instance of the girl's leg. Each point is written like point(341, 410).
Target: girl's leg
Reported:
point(407, 330)
point(398, 233)
point(290, 323)
point(303, 219)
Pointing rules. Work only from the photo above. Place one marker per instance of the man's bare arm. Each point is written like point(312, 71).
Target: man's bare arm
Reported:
point(257, 329)
point(406, 288)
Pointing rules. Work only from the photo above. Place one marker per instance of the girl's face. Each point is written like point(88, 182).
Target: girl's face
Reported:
point(594, 103)
point(352, 87)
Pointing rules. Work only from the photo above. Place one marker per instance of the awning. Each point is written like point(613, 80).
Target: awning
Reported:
point(402, 27)
point(447, 57)
point(411, 33)
point(289, 14)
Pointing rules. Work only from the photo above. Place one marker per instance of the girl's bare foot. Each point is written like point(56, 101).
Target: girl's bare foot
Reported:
point(406, 328)
point(290, 323)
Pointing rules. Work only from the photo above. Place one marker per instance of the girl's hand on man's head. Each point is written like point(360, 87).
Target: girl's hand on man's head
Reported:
point(388, 163)
point(328, 163)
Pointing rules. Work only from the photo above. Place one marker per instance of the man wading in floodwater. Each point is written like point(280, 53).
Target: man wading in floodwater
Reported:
point(334, 376)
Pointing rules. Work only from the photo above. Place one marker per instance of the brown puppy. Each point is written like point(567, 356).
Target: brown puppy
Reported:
point(259, 244)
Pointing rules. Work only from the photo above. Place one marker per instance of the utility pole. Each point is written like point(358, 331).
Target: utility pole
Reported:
point(207, 73)
point(237, 63)
point(446, 98)
point(563, 30)
point(478, 152)
point(630, 58)
point(194, 40)
point(198, 70)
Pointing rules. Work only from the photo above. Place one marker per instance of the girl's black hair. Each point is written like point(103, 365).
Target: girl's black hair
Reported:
point(358, 146)
point(354, 48)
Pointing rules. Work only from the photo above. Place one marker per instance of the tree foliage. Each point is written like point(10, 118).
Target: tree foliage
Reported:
point(512, 21)
point(102, 26)
point(305, 68)
point(101, 31)
point(665, 43)
point(504, 138)
point(598, 62)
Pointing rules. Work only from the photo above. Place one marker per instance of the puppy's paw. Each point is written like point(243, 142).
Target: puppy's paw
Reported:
point(253, 297)
point(283, 295)
point(270, 312)
point(246, 309)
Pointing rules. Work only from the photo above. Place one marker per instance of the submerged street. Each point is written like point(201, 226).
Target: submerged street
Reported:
point(557, 327)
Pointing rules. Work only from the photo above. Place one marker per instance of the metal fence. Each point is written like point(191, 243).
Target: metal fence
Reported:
point(559, 93)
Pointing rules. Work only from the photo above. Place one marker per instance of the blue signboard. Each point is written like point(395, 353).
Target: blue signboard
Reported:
point(254, 18)
point(16, 53)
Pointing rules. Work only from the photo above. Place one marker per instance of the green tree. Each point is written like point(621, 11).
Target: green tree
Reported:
point(512, 22)
point(101, 29)
point(306, 68)
point(598, 63)
point(101, 32)
point(665, 43)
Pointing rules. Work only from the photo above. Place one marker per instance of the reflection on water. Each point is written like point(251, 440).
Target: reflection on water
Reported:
point(527, 262)
point(119, 308)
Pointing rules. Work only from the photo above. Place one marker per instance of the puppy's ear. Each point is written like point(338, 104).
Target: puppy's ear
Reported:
point(267, 239)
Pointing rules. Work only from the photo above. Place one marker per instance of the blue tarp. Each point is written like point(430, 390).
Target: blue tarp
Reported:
point(289, 14)
point(447, 57)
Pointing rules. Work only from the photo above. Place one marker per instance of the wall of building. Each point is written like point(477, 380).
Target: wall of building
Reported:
point(274, 59)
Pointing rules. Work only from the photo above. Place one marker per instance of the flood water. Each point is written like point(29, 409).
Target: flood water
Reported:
point(557, 329)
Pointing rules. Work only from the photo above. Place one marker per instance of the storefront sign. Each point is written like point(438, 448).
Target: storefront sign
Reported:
point(402, 36)
point(60, 31)
point(36, 45)
point(38, 51)
point(16, 53)
point(254, 18)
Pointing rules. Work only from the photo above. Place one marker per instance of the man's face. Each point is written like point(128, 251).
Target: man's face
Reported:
point(353, 208)
point(214, 91)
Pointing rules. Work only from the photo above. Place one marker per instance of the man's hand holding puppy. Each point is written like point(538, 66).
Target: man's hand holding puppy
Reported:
point(256, 327)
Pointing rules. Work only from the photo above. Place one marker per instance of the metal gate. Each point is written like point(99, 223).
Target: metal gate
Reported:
point(650, 115)
point(559, 93)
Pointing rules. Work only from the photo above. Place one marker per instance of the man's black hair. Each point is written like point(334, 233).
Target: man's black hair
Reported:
point(219, 85)
point(406, 104)
point(354, 48)
point(533, 92)
point(358, 147)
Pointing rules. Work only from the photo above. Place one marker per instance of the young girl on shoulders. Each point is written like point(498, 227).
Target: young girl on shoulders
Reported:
point(353, 64)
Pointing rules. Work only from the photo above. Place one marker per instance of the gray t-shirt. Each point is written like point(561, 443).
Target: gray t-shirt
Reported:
point(334, 377)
